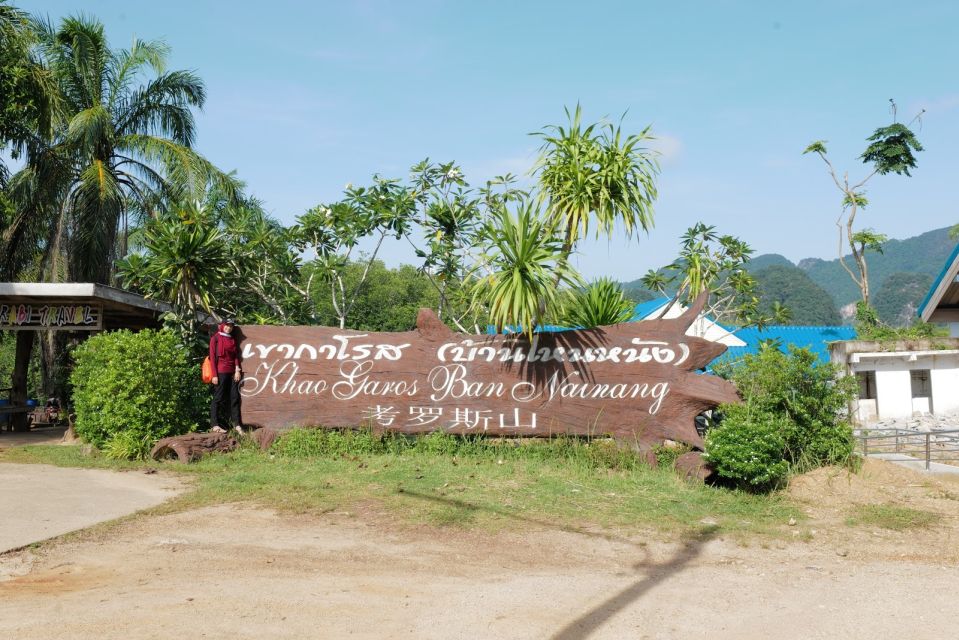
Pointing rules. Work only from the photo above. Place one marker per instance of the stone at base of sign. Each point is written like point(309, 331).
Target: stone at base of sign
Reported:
point(691, 465)
point(265, 437)
point(193, 446)
point(646, 453)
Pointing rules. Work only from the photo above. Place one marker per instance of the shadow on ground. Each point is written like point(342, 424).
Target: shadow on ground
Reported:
point(653, 573)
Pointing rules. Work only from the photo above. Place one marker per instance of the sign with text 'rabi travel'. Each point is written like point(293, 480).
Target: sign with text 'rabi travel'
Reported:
point(636, 381)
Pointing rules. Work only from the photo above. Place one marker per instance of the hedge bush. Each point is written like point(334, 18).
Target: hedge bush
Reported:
point(137, 387)
point(748, 447)
point(806, 403)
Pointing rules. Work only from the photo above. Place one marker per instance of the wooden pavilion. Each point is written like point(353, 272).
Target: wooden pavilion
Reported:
point(29, 307)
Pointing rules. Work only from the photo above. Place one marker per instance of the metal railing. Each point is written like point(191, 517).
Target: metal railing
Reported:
point(930, 446)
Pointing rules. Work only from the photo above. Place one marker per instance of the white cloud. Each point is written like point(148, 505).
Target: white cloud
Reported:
point(669, 147)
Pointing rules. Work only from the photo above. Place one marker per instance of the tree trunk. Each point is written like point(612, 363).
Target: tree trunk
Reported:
point(18, 382)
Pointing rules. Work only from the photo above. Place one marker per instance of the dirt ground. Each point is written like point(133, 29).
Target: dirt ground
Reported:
point(243, 572)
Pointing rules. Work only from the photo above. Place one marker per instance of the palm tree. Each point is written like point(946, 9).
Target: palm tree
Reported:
point(26, 95)
point(123, 148)
point(594, 175)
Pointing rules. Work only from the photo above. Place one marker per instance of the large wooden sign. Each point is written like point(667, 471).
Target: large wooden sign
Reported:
point(636, 381)
point(56, 317)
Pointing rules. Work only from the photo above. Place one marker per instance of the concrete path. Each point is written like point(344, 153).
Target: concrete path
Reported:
point(916, 464)
point(40, 501)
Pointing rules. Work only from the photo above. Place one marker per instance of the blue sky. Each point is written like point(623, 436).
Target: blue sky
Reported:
point(305, 97)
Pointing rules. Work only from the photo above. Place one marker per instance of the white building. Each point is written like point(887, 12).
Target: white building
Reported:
point(908, 378)
point(902, 379)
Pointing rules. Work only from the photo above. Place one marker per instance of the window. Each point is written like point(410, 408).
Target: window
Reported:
point(921, 386)
point(867, 385)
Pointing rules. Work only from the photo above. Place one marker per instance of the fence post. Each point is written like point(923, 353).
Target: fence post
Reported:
point(865, 445)
point(927, 451)
point(898, 449)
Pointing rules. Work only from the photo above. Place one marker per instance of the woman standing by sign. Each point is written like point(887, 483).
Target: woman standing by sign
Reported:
point(225, 359)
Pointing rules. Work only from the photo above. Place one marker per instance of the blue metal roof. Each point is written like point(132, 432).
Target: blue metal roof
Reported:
point(815, 339)
point(935, 283)
point(546, 328)
point(644, 309)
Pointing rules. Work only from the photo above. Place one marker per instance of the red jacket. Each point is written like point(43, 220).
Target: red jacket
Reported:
point(224, 355)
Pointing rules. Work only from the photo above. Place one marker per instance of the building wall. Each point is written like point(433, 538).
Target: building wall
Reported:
point(894, 383)
point(945, 390)
point(893, 393)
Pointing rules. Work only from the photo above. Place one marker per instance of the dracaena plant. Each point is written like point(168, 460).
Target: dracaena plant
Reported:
point(525, 264)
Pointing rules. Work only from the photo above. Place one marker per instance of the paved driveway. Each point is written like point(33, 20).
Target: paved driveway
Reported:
point(40, 501)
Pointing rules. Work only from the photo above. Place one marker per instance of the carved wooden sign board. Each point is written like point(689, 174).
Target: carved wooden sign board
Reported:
point(636, 381)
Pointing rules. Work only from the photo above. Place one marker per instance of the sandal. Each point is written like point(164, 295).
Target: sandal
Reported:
point(239, 429)
point(217, 430)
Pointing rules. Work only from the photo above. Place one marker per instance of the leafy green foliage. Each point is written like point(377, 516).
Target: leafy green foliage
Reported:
point(25, 91)
point(128, 445)
point(383, 209)
point(869, 326)
point(715, 263)
point(594, 173)
point(525, 262)
point(601, 303)
point(121, 147)
point(142, 385)
point(389, 301)
point(922, 254)
point(869, 239)
point(583, 453)
point(794, 414)
point(7, 360)
point(899, 297)
point(808, 303)
point(747, 448)
point(891, 149)
point(184, 262)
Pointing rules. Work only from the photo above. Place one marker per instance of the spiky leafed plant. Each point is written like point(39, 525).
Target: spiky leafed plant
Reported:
point(594, 175)
point(599, 304)
point(523, 259)
point(123, 147)
point(183, 262)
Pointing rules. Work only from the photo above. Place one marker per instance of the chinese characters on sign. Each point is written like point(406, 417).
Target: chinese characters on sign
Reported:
point(460, 418)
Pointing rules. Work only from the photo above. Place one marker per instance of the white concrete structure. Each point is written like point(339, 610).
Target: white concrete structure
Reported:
point(902, 380)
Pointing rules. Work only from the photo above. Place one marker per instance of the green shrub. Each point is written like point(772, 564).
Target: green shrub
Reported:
point(128, 445)
point(813, 398)
point(748, 448)
point(807, 402)
point(666, 456)
point(141, 385)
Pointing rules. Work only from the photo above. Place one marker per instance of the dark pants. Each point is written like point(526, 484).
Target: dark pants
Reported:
point(225, 393)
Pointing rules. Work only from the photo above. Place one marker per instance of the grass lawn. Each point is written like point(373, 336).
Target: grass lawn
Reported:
point(891, 517)
point(447, 482)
